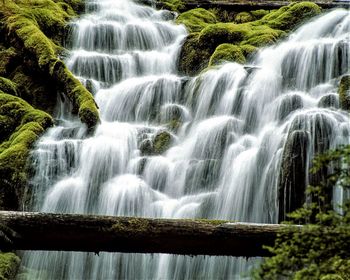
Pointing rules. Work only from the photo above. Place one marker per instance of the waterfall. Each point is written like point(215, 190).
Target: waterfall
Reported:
point(222, 145)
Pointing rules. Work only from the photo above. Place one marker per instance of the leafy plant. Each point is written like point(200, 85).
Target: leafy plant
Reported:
point(320, 249)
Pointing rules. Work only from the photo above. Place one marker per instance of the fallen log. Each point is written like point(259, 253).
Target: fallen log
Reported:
point(92, 233)
point(248, 5)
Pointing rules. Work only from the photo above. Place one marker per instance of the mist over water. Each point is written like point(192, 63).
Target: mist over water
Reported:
point(229, 128)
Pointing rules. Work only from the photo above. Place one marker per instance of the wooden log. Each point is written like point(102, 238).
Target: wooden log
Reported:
point(92, 233)
point(249, 5)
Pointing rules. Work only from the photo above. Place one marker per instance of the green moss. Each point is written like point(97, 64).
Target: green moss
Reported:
point(21, 125)
point(256, 29)
point(9, 264)
point(223, 15)
point(212, 222)
point(30, 24)
point(227, 52)
point(287, 18)
point(262, 35)
point(172, 5)
point(131, 226)
point(258, 14)
point(82, 100)
point(8, 86)
point(197, 19)
point(244, 17)
point(248, 50)
point(161, 142)
point(216, 34)
point(7, 56)
point(193, 57)
point(344, 92)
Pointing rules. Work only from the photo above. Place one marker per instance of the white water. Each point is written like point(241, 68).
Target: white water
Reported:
point(224, 160)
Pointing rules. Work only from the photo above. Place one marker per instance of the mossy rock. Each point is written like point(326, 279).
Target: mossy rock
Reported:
point(258, 14)
point(227, 52)
point(193, 57)
point(344, 93)
point(157, 145)
point(244, 17)
point(8, 86)
point(215, 34)
point(263, 29)
point(9, 264)
point(292, 178)
point(248, 50)
point(7, 59)
point(29, 25)
point(20, 126)
point(288, 17)
point(197, 19)
point(172, 5)
point(162, 142)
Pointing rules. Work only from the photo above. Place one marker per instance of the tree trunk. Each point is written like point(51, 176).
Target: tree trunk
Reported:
point(91, 233)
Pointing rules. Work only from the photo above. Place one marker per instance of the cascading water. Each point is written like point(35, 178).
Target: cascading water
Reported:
point(231, 133)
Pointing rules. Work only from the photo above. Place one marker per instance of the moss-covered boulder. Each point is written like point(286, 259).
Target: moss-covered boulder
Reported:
point(193, 58)
point(8, 86)
point(9, 264)
point(227, 52)
point(172, 5)
point(7, 58)
point(197, 19)
point(244, 17)
point(250, 31)
point(157, 144)
point(289, 17)
point(344, 92)
point(216, 34)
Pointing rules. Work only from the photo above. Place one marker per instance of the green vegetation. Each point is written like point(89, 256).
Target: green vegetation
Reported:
point(197, 19)
point(9, 264)
point(162, 142)
point(249, 31)
point(31, 75)
point(320, 249)
point(38, 26)
point(244, 17)
point(172, 5)
point(20, 125)
point(344, 92)
point(227, 52)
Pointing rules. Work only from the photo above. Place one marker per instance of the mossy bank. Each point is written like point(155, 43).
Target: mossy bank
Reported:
point(31, 77)
point(216, 36)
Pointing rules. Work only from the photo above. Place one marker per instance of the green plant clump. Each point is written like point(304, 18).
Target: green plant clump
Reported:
point(244, 17)
point(320, 248)
point(9, 264)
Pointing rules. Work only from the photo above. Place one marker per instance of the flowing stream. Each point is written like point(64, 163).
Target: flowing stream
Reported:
point(229, 132)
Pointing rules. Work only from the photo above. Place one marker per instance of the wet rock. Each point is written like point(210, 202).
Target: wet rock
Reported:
point(293, 173)
point(327, 101)
point(288, 105)
point(156, 144)
point(344, 92)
